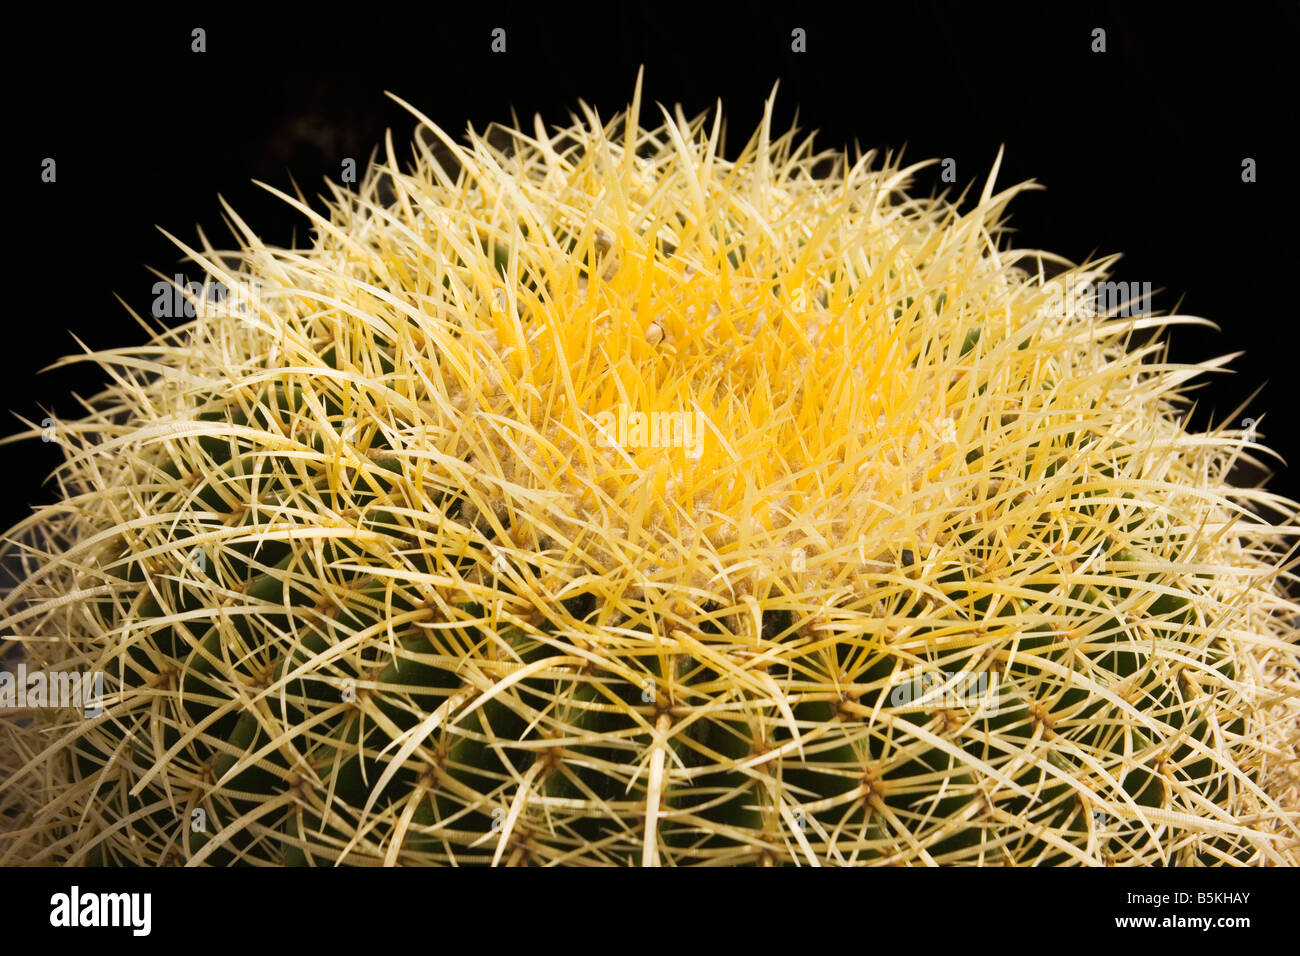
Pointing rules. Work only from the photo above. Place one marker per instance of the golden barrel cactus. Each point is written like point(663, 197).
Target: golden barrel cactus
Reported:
point(586, 497)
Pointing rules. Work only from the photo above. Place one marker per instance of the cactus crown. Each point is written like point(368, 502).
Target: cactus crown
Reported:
point(586, 497)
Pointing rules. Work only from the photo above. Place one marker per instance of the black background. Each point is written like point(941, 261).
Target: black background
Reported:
point(1140, 148)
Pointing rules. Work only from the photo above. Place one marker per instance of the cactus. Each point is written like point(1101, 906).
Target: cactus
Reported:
point(585, 497)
